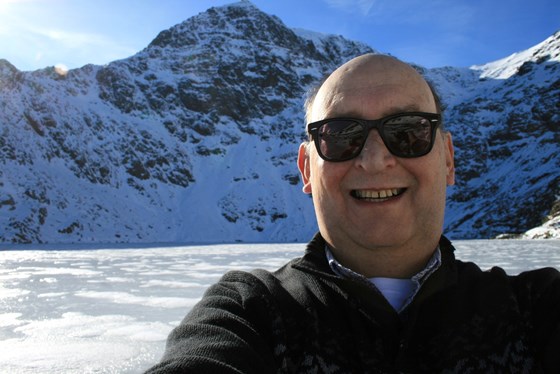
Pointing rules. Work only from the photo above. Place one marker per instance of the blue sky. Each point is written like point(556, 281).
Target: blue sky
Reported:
point(39, 33)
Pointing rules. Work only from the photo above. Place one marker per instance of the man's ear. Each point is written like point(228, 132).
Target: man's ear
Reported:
point(449, 159)
point(303, 166)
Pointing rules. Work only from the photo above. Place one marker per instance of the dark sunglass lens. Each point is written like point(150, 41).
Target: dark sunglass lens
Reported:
point(340, 139)
point(408, 136)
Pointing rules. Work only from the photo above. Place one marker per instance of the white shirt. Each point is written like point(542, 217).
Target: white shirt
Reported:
point(396, 291)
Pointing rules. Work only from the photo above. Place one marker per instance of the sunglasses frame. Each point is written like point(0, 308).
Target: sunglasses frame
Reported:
point(433, 118)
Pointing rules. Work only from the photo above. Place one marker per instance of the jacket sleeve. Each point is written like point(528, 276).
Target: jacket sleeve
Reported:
point(228, 331)
point(543, 288)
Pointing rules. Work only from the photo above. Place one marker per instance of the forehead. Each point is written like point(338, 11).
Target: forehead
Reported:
point(372, 87)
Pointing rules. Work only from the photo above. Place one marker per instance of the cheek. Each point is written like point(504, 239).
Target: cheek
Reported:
point(326, 180)
point(438, 177)
point(327, 175)
point(440, 158)
point(431, 173)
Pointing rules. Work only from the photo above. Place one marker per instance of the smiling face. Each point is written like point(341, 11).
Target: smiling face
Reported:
point(378, 206)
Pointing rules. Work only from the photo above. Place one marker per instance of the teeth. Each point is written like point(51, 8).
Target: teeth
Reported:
point(382, 194)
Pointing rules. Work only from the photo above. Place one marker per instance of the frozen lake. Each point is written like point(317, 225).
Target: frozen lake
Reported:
point(110, 310)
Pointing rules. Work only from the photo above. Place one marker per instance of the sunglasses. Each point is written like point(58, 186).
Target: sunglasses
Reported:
point(405, 135)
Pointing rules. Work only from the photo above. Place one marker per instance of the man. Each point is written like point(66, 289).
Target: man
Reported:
point(378, 289)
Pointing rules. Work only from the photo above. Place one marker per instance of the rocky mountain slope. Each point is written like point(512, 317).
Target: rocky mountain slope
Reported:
point(506, 123)
point(194, 138)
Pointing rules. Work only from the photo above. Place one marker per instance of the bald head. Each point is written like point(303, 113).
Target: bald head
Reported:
point(374, 80)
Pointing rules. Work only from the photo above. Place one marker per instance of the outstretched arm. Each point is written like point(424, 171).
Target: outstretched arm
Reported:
point(229, 331)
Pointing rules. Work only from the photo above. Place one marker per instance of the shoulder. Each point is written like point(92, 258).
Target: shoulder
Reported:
point(538, 279)
point(532, 290)
point(293, 288)
point(312, 263)
point(540, 284)
point(298, 273)
point(261, 284)
point(260, 277)
point(543, 277)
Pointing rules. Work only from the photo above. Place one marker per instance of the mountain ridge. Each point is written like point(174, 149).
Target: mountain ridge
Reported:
point(162, 146)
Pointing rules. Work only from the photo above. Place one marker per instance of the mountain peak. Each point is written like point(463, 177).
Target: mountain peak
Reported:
point(241, 4)
point(240, 20)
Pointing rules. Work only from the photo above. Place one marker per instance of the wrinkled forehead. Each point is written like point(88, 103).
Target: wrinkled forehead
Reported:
point(372, 86)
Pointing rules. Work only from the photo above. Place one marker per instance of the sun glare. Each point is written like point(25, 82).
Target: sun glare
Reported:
point(61, 69)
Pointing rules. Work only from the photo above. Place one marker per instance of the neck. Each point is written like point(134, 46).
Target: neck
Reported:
point(386, 262)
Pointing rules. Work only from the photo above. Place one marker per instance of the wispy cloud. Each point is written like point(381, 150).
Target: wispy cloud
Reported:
point(48, 46)
point(90, 47)
point(362, 7)
point(73, 39)
point(445, 14)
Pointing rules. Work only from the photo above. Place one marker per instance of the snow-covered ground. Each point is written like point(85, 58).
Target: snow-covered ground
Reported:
point(110, 310)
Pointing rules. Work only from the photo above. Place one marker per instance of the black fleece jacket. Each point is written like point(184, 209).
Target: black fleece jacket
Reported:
point(304, 319)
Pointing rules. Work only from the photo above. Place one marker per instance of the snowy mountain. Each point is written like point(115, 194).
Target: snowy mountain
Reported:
point(194, 138)
point(506, 127)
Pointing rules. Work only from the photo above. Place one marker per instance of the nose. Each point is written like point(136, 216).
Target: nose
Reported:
point(375, 155)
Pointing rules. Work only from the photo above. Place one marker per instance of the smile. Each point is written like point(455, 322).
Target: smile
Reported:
point(380, 195)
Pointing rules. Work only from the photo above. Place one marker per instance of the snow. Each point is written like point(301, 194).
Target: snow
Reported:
point(128, 151)
point(549, 230)
point(506, 67)
point(95, 310)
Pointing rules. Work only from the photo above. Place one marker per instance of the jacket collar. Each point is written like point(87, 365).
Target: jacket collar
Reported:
point(315, 255)
point(315, 261)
